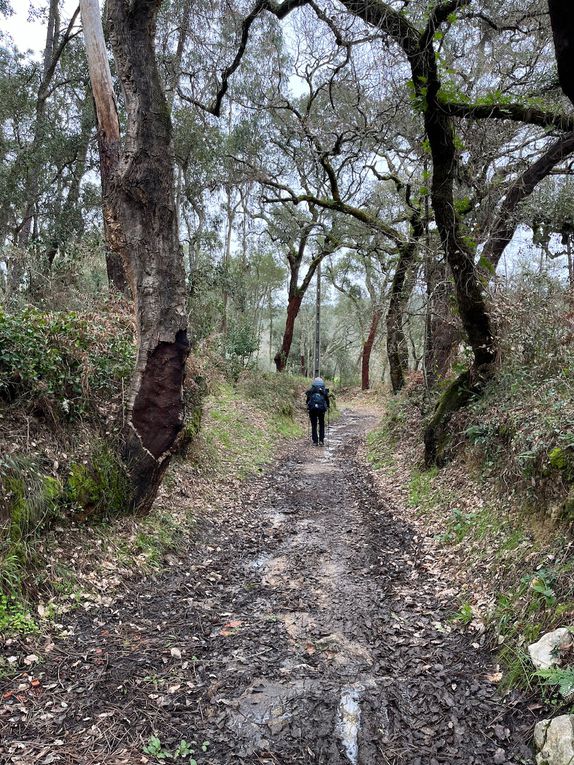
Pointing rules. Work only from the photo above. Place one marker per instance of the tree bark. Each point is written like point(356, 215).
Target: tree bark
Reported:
point(108, 130)
point(445, 332)
point(368, 347)
point(142, 220)
point(394, 320)
point(562, 20)
point(293, 306)
point(396, 341)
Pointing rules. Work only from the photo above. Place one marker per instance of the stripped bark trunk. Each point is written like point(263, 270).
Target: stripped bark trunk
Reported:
point(140, 207)
point(108, 131)
point(297, 292)
point(282, 355)
point(368, 347)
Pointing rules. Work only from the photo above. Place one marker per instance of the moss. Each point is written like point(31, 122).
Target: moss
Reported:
point(436, 436)
point(100, 486)
point(33, 503)
point(562, 460)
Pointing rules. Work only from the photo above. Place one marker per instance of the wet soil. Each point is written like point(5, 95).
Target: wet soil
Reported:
point(303, 625)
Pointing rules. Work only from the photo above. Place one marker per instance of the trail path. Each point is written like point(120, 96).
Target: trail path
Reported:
point(302, 628)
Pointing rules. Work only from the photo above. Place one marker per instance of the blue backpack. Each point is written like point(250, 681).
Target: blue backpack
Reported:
point(317, 400)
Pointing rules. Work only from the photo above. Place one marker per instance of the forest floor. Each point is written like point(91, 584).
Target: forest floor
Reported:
point(301, 624)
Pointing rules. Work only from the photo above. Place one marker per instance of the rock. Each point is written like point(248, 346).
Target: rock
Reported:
point(546, 652)
point(499, 756)
point(554, 740)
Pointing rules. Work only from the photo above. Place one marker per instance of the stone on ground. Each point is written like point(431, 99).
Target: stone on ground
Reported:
point(546, 652)
point(554, 740)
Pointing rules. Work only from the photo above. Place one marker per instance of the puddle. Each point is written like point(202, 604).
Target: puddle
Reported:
point(318, 468)
point(349, 721)
point(277, 520)
point(259, 562)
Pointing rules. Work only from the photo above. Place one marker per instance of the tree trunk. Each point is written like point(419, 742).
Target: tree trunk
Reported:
point(562, 20)
point(443, 328)
point(69, 222)
point(140, 205)
point(396, 341)
point(317, 355)
point(108, 131)
point(368, 347)
point(293, 306)
point(505, 224)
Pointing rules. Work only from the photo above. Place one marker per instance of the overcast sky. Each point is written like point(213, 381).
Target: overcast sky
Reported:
point(31, 35)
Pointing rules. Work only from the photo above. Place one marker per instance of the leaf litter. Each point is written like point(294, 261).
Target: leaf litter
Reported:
point(302, 623)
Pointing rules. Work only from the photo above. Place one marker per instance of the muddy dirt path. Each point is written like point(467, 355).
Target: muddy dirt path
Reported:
point(302, 627)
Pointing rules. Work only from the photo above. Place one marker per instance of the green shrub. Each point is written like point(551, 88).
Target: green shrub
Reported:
point(14, 617)
point(274, 393)
point(63, 357)
point(40, 356)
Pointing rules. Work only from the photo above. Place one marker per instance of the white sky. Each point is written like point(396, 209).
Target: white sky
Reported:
point(31, 35)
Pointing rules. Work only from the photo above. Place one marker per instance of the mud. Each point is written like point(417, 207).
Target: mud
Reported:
point(301, 627)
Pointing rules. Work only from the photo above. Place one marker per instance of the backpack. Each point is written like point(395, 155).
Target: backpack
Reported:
point(317, 401)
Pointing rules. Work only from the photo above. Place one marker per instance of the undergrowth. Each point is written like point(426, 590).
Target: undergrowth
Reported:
point(502, 509)
point(243, 423)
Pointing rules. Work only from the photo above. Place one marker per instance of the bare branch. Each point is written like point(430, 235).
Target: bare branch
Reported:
point(513, 112)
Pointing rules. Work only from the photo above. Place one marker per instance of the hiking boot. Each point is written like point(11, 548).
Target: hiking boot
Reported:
point(321, 443)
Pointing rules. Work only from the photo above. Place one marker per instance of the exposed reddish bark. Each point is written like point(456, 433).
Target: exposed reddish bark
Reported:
point(368, 347)
point(293, 306)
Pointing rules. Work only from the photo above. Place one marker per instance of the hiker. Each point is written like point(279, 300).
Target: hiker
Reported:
point(317, 404)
